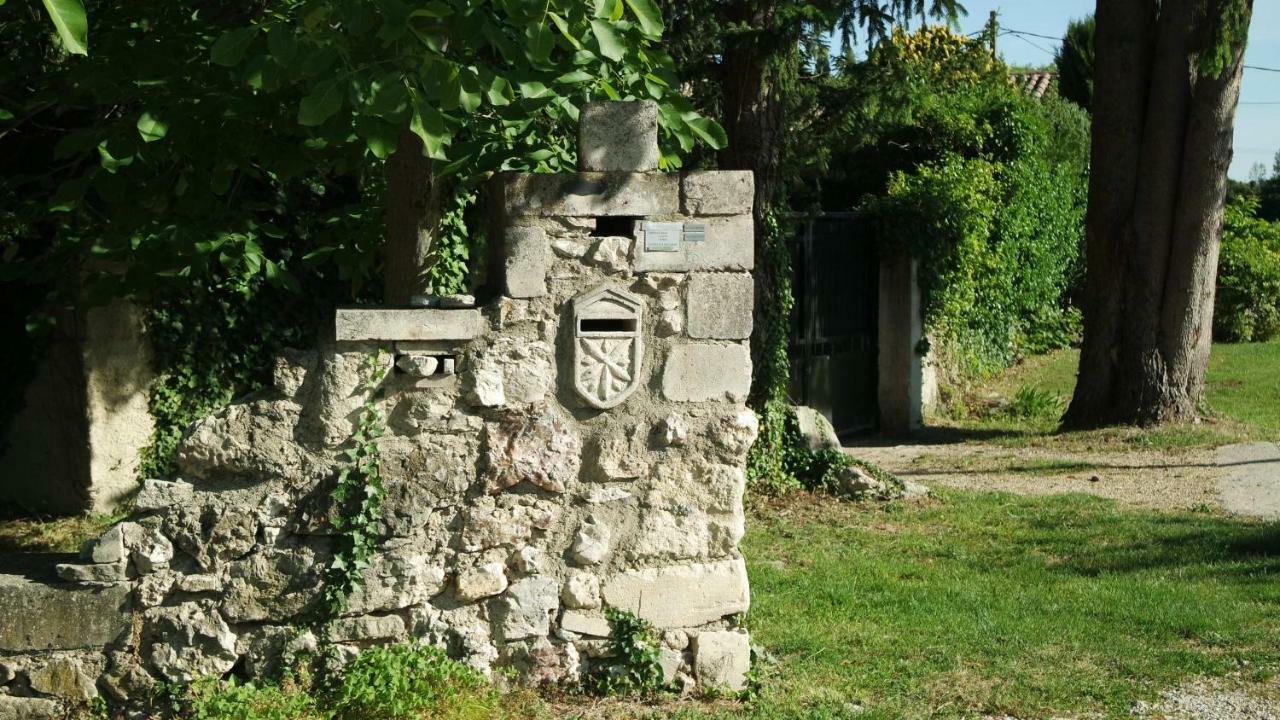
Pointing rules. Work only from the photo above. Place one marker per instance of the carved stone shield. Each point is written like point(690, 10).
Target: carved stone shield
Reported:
point(608, 345)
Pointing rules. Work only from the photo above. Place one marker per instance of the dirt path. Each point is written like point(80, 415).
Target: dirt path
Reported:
point(1250, 482)
point(1158, 479)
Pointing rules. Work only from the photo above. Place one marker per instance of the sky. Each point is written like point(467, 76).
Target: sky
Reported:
point(1257, 123)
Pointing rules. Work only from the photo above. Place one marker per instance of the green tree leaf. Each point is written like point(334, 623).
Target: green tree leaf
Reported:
point(321, 104)
point(229, 49)
point(649, 15)
point(151, 128)
point(610, 46)
point(709, 130)
point(71, 23)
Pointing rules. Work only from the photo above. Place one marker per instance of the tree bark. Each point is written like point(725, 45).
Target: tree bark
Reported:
point(753, 72)
point(413, 218)
point(1162, 143)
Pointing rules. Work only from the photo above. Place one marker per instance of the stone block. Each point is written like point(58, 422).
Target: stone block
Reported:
point(585, 622)
point(681, 595)
point(717, 192)
point(581, 591)
point(481, 582)
point(192, 642)
point(162, 495)
point(618, 137)
point(590, 194)
point(700, 372)
point(369, 627)
point(93, 573)
point(36, 616)
point(391, 324)
point(526, 608)
point(729, 246)
point(816, 429)
point(29, 708)
point(525, 264)
point(64, 678)
point(722, 659)
point(720, 306)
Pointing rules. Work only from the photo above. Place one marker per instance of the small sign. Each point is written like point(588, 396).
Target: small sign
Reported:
point(663, 236)
point(695, 232)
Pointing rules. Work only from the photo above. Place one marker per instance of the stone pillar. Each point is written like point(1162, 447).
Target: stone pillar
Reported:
point(905, 375)
point(74, 446)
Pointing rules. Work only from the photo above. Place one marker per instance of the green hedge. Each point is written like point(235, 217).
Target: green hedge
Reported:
point(1247, 304)
point(998, 225)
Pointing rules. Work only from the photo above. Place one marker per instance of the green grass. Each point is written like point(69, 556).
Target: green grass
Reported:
point(1242, 393)
point(1244, 384)
point(999, 604)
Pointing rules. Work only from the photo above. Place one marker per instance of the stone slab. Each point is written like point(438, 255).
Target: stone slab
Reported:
point(392, 324)
point(720, 306)
point(682, 595)
point(618, 137)
point(1251, 479)
point(525, 262)
point(717, 192)
point(701, 372)
point(729, 245)
point(37, 616)
point(590, 194)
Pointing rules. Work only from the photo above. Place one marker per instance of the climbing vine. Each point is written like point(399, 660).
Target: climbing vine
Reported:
point(766, 470)
point(357, 497)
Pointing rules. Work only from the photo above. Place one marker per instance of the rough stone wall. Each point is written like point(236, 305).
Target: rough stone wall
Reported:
point(577, 441)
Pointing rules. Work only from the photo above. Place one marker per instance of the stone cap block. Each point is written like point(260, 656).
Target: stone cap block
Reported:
point(618, 137)
point(589, 194)
point(717, 192)
point(387, 324)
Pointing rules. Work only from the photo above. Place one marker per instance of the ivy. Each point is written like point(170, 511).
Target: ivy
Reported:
point(357, 496)
point(633, 665)
point(766, 470)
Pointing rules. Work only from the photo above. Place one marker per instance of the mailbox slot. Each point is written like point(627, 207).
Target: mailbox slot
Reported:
point(606, 326)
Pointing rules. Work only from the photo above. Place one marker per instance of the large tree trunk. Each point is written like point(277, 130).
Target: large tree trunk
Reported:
point(752, 72)
point(413, 217)
point(1162, 143)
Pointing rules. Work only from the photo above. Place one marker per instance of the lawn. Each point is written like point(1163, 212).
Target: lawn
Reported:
point(1242, 398)
point(993, 603)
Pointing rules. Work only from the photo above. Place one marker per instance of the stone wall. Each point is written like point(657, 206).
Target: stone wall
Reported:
point(577, 441)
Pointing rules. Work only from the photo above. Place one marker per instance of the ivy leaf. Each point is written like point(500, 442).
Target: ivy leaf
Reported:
point(229, 49)
point(71, 23)
point(610, 46)
point(321, 104)
point(649, 15)
point(151, 128)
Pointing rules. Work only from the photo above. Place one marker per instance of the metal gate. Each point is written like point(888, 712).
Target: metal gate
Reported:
point(836, 276)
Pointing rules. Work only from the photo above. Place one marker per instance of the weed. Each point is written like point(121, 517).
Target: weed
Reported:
point(632, 666)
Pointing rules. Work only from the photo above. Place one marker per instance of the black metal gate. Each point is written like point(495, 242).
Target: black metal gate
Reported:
point(834, 325)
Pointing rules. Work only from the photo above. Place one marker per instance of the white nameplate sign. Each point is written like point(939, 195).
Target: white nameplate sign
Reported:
point(663, 236)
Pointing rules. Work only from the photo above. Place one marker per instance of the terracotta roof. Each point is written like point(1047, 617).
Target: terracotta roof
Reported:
point(1035, 84)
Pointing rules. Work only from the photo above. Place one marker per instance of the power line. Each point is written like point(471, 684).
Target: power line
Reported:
point(1258, 67)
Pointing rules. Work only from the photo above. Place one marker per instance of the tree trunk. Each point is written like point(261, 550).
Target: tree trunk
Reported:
point(752, 74)
point(1162, 143)
point(413, 217)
